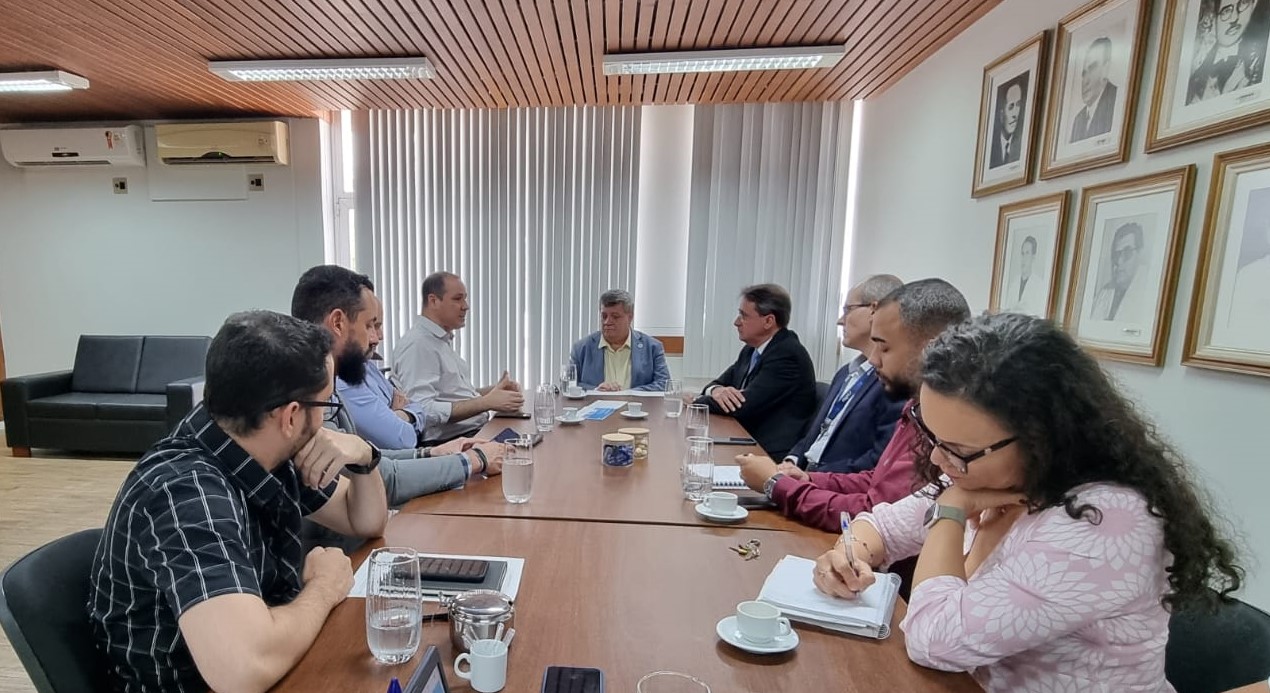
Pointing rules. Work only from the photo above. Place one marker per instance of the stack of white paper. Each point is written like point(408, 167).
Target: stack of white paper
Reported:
point(790, 588)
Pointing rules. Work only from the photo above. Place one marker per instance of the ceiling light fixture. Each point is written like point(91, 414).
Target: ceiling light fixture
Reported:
point(47, 80)
point(323, 70)
point(726, 60)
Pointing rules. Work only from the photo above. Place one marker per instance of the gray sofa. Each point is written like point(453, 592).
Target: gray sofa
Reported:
point(124, 393)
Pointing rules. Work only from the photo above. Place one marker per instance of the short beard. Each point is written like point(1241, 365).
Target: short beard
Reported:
point(350, 365)
point(898, 389)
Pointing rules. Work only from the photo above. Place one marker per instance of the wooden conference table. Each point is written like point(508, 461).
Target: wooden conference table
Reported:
point(621, 575)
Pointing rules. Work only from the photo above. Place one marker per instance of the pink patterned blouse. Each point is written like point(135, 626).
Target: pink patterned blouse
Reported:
point(1059, 605)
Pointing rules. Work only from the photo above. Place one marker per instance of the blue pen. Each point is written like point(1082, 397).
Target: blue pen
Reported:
point(394, 686)
point(847, 541)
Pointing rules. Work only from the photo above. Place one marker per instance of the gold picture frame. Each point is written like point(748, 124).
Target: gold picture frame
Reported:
point(1010, 98)
point(1016, 287)
point(1093, 86)
point(1232, 280)
point(1124, 272)
point(1198, 94)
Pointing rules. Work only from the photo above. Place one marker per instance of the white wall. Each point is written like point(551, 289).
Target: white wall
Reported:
point(77, 259)
point(916, 219)
point(665, 182)
point(661, 254)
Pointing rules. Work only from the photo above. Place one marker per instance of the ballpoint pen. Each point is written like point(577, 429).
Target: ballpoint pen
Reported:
point(847, 541)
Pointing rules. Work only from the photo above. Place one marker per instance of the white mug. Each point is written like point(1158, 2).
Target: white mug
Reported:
point(760, 622)
point(721, 502)
point(573, 391)
point(635, 408)
point(487, 666)
point(570, 413)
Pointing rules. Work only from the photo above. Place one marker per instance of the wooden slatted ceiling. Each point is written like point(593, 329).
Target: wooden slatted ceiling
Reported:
point(147, 58)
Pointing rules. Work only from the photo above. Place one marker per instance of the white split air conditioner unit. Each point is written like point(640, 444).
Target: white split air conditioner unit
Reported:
point(261, 142)
point(52, 147)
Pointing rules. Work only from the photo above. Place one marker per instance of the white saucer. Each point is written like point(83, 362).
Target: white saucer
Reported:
point(728, 632)
point(569, 422)
point(633, 415)
point(738, 516)
point(580, 395)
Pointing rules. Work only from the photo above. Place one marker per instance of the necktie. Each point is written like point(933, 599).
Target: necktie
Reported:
point(848, 394)
point(754, 357)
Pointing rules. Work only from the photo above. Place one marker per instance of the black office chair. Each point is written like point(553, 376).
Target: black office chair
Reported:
point(822, 391)
point(1212, 652)
point(42, 610)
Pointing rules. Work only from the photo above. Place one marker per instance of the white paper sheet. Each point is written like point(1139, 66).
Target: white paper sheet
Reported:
point(790, 588)
point(511, 579)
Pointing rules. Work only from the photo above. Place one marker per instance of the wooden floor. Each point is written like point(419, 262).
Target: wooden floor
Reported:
point(41, 499)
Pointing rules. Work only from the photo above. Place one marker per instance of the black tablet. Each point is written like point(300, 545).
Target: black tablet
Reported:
point(428, 678)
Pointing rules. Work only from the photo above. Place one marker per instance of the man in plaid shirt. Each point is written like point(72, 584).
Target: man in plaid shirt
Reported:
point(200, 580)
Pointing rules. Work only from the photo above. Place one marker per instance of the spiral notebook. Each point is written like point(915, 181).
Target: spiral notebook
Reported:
point(790, 588)
point(728, 477)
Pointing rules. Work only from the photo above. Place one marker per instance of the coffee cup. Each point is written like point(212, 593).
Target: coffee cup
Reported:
point(573, 391)
point(721, 502)
point(487, 666)
point(634, 408)
point(570, 413)
point(760, 622)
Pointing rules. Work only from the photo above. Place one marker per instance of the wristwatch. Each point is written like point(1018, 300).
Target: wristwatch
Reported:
point(366, 468)
point(770, 484)
point(938, 512)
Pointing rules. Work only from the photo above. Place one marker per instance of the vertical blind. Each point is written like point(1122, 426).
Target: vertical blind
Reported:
point(534, 208)
point(769, 199)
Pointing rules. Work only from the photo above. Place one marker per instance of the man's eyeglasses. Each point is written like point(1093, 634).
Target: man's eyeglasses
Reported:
point(852, 306)
point(959, 460)
point(1227, 12)
point(332, 408)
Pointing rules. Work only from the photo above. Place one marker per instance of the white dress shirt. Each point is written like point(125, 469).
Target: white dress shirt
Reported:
point(433, 373)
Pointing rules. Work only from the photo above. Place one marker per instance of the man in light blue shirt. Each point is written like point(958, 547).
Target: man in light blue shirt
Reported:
point(383, 413)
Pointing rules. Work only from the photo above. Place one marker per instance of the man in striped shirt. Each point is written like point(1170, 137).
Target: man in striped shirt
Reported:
point(200, 580)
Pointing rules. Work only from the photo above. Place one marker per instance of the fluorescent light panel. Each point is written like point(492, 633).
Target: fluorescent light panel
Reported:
point(323, 70)
point(727, 60)
point(47, 80)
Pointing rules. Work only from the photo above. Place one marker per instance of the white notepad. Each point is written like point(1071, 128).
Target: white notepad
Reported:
point(728, 477)
point(790, 588)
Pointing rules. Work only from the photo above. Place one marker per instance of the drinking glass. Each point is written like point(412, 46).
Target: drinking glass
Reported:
point(568, 377)
point(671, 682)
point(674, 401)
point(394, 607)
point(698, 422)
point(697, 473)
point(518, 471)
point(544, 408)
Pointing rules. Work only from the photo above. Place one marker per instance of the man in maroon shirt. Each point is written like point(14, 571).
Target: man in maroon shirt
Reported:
point(903, 323)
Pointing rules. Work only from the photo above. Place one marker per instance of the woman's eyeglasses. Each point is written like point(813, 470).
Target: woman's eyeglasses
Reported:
point(959, 460)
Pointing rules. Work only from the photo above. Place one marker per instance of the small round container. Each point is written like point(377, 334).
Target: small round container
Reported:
point(477, 614)
point(641, 441)
point(617, 449)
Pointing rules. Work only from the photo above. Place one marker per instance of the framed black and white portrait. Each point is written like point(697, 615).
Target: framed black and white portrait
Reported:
point(1025, 268)
point(1093, 88)
point(1124, 275)
point(1008, 110)
point(1210, 78)
point(1229, 325)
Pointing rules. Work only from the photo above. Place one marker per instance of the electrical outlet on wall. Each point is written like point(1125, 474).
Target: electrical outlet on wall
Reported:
point(256, 182)
point(120, 186)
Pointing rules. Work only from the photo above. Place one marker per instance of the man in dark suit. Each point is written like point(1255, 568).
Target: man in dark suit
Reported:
point(1098, 93)
point(1007, 135)
point(857, 418)
point(771, 389)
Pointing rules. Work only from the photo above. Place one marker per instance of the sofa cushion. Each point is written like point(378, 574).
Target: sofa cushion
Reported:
point(106, 364)
point(133, 407)
point(168, 359)
point(72, 405)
